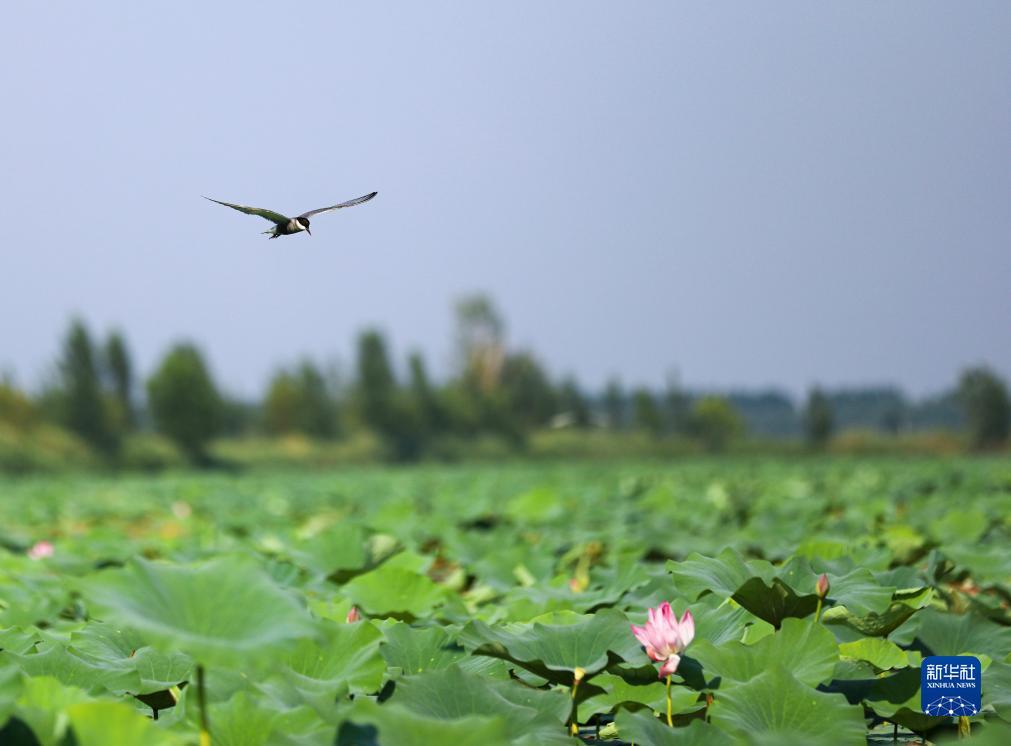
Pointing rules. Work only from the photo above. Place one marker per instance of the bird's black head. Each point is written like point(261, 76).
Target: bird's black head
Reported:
point(304, 221)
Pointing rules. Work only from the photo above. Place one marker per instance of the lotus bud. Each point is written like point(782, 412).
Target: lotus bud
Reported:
point(822, 586)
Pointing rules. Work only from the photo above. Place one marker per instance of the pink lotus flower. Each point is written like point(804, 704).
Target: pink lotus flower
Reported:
point(40, 550)
point(664, 637)
point(353, 615)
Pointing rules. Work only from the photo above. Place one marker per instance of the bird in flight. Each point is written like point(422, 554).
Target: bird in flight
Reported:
point(285, 226)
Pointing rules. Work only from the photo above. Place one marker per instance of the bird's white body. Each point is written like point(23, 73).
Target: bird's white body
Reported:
point(290, 228)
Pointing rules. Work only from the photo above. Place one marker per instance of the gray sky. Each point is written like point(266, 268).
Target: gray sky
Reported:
point(754, 193)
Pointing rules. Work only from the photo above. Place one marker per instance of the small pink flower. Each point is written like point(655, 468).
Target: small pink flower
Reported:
point(664, 637)
point(40, 550)
point(353, 615)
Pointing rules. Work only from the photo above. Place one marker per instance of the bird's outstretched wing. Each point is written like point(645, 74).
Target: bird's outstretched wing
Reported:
point(274, 217)
point(349, 203)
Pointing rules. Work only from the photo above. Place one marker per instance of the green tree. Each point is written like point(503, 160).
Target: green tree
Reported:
point(300, 401)
point(528, 399)
point(614, 404)
point(818, 419)
point(376, 387)
point(715, 422)
point(120, 373)
point(984, 397)
point(480, 333)
point(572, 402)
point(185, 403)
point(82, 405)
point(424, 400)
point(645, 413)
point(317, 408)
point(280, 408)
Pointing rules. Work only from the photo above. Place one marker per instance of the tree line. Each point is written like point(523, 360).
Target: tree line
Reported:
point(494, 391)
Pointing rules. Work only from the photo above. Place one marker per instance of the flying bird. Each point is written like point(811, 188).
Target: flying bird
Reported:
point(285, 226)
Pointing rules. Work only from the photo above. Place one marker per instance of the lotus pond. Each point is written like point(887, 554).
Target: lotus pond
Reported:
point(484, 605)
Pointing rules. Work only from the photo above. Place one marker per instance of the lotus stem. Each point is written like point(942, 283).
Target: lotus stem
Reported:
point(670, 705)
point(577, 676)
point(964, 727)
point(817, 612)
point(205, 726)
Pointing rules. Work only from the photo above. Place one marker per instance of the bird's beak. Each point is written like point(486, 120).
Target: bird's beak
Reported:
point(308, 231)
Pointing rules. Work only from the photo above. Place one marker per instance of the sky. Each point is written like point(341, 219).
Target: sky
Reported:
point(750, 194)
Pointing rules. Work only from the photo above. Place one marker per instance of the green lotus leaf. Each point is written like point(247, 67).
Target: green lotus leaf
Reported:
point(370, 724)
point(960, 526)
point(539, 505)
point(523, 604)
point(609, 692)
point(803, 648)
point(644, 729)
point(72, 670)
point(997, 689)
point(699, 574)
point(221, 612)
point(451, 694)
point(503, 562)
point(770, 593)
point(774, 601)
point(334, 552)
point(104, 723)
point(303, 726)
point(990, 564)
point(10, 689)
point(954, 634)
point(415, 650)
point(28, 599)
point(776, 706)
point(106, 643)
point(881, 653)
point(904, 604)
point(903, 540)
point(565, 647)
point(110, 646)
point(19, 639)
point(985, 733)
point(243, 720)
point(159, 670)
point(41, 705)
point(392, 591)
point(552, 705)
point(348, 656)
point(897, 698)
point(860, 592)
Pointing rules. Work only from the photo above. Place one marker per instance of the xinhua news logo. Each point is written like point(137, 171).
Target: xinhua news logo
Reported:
point(951, 685)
